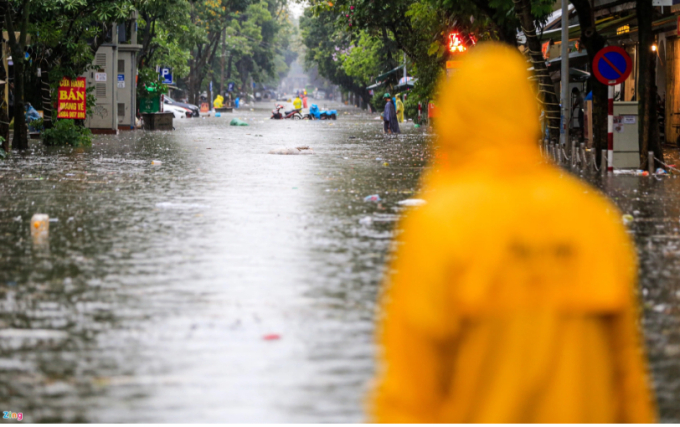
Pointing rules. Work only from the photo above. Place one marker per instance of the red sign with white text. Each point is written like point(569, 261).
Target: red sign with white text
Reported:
point(71, 100)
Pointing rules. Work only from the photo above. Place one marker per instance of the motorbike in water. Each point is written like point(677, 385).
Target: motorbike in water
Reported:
point(292, 114)
point(316, 113)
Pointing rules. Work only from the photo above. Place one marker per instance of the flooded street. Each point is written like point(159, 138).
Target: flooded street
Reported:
point(158, 288)
point(232, 285)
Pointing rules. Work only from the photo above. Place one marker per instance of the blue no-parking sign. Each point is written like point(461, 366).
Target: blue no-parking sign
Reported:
point(612, 65)
point(166, 75)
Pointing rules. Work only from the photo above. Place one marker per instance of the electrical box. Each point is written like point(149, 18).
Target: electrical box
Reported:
point(626, 147)
point(104, 116)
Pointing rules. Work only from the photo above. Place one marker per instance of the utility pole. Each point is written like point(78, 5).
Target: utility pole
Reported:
point(564, 132)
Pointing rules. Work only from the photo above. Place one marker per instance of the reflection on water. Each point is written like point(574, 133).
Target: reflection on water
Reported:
point(152, 296)
point(151, 299)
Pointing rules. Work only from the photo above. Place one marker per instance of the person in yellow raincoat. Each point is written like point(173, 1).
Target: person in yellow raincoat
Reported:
point(297, 103)
point(218, 102)
point(511, 298)
point(400, 109)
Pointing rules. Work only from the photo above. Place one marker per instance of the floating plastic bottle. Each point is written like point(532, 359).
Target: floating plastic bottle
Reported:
point(40, 227)
point(372, 198)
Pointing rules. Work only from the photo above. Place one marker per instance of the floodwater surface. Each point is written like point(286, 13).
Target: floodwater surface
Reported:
point(228, 284)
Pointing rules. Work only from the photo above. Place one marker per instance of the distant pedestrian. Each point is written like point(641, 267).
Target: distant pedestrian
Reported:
point(387, 113)
point(390, 124)
point(499, 307)
point(400, 109)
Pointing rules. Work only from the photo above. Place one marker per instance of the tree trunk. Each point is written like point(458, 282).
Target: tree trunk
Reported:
point(20, 141)
point(549, 99)
point(4, 107)
point(46, 94)
point(231, 56)
point(648, 120)
point(594, 42)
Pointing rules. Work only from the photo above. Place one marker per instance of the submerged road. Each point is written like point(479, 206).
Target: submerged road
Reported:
point(161, 288)
point(228, 284)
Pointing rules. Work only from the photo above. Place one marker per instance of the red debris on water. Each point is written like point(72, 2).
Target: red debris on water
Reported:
point(271, 337)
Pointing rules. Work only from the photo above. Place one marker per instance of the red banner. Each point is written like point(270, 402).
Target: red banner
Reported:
point(71, 99)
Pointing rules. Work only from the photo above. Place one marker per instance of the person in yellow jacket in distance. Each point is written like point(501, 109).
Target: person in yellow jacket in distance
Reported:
point(512, 294)
point(400, 109)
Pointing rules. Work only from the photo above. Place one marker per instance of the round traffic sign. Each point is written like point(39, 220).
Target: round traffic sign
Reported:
point(612, 65)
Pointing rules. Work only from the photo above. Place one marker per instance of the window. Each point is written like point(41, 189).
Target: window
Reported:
point(121, 66)
point(121, 109)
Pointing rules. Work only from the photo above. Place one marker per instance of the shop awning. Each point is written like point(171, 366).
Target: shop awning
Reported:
point(402, 87)
point(609, 27)
point(383, 76)
point(572, 55)
point(375, 86)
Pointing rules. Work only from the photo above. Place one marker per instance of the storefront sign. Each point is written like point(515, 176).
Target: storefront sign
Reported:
point(72, 99)
point(545, 49)
point(100, 77)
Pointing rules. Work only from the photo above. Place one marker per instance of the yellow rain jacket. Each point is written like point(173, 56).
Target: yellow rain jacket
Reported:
point(400, 111)
point(219, 101)
point(297, 103)
point(511, 297)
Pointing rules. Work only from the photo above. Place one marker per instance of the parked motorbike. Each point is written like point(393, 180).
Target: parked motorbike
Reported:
point(292, 114)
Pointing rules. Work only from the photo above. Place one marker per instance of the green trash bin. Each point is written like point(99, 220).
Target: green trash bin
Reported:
point(152, 104)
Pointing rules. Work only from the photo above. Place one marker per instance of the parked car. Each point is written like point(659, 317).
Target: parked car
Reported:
point(177, 111)
point(194, 111)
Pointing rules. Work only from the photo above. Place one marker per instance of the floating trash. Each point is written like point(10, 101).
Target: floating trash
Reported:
point(372, 198)
point(291, 150)
point(412, 202)
point(627, 219)
point(156, 162)
point(40, 226)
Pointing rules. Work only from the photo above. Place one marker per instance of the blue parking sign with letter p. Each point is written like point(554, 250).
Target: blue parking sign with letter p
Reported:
point(166, 76)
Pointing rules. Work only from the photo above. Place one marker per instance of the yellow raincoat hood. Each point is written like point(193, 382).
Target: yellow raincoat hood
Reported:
point(489, 110)
point(511, 295)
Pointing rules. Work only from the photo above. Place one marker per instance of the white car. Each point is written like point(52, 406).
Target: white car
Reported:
point(177, 111)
